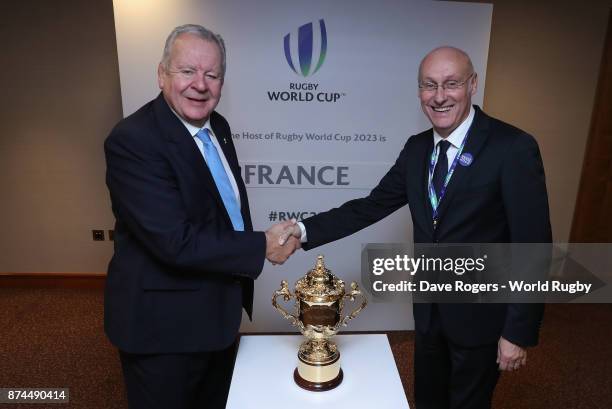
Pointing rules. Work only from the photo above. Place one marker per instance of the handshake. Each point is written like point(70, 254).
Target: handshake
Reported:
point(282, 240)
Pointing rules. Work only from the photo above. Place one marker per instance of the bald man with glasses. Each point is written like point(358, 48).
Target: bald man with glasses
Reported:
point(469, 179)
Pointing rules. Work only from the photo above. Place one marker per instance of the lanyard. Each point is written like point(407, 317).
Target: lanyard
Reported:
point(433, 198)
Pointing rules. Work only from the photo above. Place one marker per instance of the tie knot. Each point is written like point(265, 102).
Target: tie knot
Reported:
point(444, 145)
point(204, 136)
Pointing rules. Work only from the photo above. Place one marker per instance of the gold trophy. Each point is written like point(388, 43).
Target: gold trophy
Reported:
point(319, 301)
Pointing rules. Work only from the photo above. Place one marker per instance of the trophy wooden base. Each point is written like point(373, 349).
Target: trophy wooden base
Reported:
point(314, 386)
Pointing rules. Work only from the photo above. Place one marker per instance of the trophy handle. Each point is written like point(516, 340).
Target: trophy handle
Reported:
point(286, 294)
point(351, 296)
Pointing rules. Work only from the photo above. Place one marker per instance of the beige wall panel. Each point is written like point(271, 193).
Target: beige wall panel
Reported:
point(61, 97)
point(542, 74)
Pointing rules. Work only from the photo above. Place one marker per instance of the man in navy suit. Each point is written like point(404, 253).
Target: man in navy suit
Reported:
point(470, 179)
point(185, 254)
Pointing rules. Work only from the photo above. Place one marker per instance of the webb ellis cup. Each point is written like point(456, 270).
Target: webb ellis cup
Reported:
point(319, 302)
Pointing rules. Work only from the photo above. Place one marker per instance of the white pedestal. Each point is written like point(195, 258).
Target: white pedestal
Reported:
point(263, 375)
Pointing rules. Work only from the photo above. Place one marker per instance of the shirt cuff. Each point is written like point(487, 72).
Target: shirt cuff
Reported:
point(303, 238)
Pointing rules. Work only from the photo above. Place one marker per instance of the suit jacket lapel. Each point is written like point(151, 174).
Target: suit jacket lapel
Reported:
point(424, 185)
point(175, 132)
point(476, 138)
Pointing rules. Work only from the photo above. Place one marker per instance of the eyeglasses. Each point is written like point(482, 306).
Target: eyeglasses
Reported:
point(189, 74)
point(451, 85)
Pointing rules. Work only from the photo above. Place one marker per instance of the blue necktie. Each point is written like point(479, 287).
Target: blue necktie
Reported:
point(215, 165)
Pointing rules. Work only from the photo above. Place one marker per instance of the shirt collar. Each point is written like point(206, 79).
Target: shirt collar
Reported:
point(456, 137)
point(193, 130)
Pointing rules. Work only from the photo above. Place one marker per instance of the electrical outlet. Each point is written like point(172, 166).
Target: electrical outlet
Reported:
point(98, 235)
point(111, 235)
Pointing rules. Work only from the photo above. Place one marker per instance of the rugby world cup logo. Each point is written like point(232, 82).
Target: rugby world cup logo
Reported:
point(305, 40)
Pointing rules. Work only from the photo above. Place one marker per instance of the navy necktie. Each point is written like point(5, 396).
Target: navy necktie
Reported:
point(222, 181)
point(441, 169)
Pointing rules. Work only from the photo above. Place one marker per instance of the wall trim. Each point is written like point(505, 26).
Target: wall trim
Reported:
point(52, 280)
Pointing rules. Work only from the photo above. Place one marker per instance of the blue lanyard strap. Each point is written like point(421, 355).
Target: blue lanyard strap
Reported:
point(433, 197)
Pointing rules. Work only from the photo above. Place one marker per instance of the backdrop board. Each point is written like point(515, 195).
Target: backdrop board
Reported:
point(321, 97)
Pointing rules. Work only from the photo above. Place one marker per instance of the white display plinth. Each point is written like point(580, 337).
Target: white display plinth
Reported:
point(263, 375)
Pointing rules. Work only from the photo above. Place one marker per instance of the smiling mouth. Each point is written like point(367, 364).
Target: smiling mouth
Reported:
point(197, 99)
point(442, 109)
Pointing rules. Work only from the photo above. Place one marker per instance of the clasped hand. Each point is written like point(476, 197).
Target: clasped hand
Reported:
point(510, 357)
point(282, 240)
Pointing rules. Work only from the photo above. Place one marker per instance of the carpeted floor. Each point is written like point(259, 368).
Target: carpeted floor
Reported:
point(55, 338)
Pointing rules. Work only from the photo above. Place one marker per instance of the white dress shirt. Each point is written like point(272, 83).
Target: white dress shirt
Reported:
point(193, 130)
point(455, 138)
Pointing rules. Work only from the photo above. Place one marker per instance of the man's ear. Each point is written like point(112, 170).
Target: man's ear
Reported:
point(161, 74)
point(474, 84)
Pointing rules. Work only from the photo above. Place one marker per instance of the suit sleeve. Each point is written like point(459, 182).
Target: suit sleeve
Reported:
point(354, 215)
point(146, 198)
point(526, 205)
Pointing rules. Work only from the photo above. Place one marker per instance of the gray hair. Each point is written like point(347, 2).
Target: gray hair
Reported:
point(202, 32)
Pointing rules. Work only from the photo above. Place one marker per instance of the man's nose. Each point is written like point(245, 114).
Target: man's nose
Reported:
point(199, 82)
point(440, 95)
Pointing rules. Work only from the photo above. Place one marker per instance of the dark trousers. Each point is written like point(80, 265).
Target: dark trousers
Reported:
point(449, 376)
point(178, 381)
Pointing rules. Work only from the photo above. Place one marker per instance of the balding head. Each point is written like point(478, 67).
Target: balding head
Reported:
point(448, 54)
